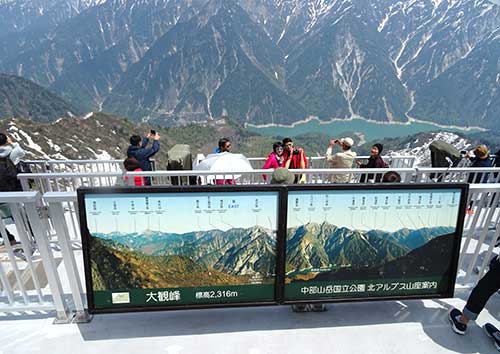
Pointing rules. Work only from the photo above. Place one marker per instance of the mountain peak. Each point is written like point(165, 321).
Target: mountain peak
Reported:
point(212, 7)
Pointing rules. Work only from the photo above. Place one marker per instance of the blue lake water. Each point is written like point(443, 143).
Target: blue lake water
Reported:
point(371, 130)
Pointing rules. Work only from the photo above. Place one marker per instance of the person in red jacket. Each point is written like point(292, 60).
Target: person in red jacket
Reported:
point(295, 158)
point(132, 165)
point(275, 159)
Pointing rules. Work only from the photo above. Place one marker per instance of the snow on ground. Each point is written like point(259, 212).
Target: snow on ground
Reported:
point(421, 149)
point(32, 145)
point(53, 146)
point(104, 155)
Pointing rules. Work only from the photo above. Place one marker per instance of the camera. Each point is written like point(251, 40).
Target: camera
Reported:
point(152, 132)
point(295, 151)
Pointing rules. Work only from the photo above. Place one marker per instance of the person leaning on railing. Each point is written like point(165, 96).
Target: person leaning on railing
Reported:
point(343, 159)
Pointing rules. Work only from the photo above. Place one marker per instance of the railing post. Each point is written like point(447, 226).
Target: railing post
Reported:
point(24, 183)
point(59, 221)
point(41, 236)
point(492, 201)
point(418, 175)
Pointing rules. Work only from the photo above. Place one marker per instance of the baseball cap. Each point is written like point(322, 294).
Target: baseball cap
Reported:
point(347, 141)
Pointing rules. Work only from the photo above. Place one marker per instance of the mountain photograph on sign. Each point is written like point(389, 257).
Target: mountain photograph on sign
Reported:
point(325, 252)
point(152, 260)
point(371, 242)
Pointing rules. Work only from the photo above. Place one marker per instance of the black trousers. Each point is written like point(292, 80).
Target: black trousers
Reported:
point(487, 286)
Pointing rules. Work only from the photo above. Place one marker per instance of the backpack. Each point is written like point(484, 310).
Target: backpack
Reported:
point(8, 176)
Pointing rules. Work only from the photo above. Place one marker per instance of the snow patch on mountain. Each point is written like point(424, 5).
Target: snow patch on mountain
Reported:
point(420, 149)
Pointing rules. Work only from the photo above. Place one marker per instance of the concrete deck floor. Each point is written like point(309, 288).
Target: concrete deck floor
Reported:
point(416, 326)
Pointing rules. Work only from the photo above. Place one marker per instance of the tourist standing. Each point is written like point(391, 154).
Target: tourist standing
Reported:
point(139, 150)
point(132, 165)
point(481, 159)
point(224, 146)
point(343, 159)
point(374, 161)
point(294, 158)
point(485, 288)
point(275, 159)
point(11, 154)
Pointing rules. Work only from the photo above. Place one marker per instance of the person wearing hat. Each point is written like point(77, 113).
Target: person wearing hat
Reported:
point(481, 159)
point(282, 176)
point(374, 161)
point(343, 159)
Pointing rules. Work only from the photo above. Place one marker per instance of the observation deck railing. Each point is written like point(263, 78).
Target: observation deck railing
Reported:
point(317, 162)
point(70, 181)
point(97, 166)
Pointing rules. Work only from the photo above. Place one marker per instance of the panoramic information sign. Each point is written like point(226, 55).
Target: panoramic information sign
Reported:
point(372, 243)
point(164, 249)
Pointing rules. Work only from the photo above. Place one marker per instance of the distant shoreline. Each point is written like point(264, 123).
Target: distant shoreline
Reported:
point(333, 120)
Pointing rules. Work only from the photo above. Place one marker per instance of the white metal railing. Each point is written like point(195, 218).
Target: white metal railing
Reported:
point(70, 181)
point(83, 166)
point(464, 174)
point(63, 214)
point(316, 162)
point(115, 165)
point(42, 245)
point(49, 182)
point(30, 262)
point(31, 273)
point(481, 229)
point(79, 166)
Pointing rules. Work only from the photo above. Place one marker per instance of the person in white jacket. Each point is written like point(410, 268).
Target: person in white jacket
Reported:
point(11, 150)
point(10, 156)
point(343, 159)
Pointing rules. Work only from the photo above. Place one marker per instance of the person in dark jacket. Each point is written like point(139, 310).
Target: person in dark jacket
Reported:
point(374, 161)
point(496, 162)
point(141, 152)
point(481, 159)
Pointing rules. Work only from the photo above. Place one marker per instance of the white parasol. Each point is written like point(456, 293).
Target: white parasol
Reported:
point(224, 162)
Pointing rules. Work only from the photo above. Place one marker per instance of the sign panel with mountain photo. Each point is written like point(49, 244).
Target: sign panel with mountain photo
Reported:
point(372, 242)
point(171, 249)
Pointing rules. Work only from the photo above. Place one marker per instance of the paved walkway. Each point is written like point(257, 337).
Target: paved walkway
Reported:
point(370, 327)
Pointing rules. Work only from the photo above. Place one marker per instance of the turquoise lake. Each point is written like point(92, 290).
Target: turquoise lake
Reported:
point(371, 130)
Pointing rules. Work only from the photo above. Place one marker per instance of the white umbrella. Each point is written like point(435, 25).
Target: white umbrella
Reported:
point(224, 162)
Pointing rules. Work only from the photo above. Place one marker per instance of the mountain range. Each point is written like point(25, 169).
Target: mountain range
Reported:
point(116, 267)
point(21, 98)
point(431, 260)
point(262, 61)
point(236, 252)
point(316, 246)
